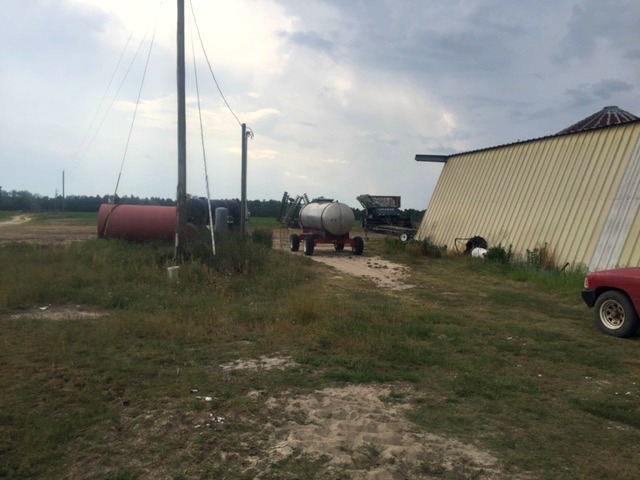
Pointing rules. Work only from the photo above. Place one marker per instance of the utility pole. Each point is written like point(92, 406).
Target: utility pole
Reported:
point(181, 210)
point(62, 191)
point(243, 183)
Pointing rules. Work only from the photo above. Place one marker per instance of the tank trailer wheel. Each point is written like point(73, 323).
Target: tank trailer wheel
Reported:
point(338, 246)
point(308, 246)
point(358, 246)
point(294, 243)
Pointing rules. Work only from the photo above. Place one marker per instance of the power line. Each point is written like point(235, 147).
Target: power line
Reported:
point(115, 96)
point(113, 100)
point(209, 64)
point(104, 95)
point(204, 154)
point(135, 112)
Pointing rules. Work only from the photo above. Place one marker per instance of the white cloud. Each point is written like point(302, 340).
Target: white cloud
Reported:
point(340, 95)
point(260, 114)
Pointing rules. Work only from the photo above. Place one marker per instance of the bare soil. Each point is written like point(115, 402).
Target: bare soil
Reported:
point(364, 436)
point(382, 273)
point(56, 312)
point(21, 228)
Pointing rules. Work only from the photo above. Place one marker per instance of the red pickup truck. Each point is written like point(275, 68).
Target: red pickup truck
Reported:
point(615, 294)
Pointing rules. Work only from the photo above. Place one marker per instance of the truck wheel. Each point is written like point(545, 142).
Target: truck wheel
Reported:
point(404, 237)
point(358, 246)
point(338, 246)
point(308, 245)
point(615, 314)
point(294, 243)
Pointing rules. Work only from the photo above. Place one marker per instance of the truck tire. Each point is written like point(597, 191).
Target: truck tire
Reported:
point(615, 314)
point(358, 246)
point(308, 245)
point(294, 243)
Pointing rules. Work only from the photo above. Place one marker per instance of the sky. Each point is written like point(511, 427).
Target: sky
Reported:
point(340, 94)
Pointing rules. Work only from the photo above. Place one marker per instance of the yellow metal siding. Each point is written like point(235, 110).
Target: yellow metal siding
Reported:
point(614, 156)
point(557, 191)
point(631, 253)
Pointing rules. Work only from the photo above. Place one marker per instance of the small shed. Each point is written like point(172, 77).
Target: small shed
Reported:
point(577, 192)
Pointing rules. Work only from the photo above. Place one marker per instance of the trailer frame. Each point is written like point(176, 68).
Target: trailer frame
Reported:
point(310, 238)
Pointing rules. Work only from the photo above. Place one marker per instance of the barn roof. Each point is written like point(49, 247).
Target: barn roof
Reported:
point(606, 117)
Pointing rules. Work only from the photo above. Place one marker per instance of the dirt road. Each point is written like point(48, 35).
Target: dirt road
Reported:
point(17, 220)
point(21, 228)
point(382, 273)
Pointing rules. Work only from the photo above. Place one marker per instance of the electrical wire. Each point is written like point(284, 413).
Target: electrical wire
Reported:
point(113, 100)
point(209, 64)
point(204, 153)
point(104, 95)
point(135, 112)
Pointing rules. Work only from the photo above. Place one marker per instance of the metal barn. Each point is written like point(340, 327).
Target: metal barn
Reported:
point(577, 191)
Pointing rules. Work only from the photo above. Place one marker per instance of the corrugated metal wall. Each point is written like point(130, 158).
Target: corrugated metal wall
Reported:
point(558, 190)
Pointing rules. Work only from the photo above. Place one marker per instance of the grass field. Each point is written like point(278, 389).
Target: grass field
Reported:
point(68, 218)
point(6, 215)
point(264, 222)
point(504, 358)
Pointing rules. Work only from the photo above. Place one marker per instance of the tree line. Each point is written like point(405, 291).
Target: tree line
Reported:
point(24, 201)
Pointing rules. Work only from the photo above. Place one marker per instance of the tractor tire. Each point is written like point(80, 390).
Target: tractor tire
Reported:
point(308, 245)
point(294, 243)
point(358, 246)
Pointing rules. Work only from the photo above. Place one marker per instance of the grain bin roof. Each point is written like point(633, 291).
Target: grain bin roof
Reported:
point(607, 117)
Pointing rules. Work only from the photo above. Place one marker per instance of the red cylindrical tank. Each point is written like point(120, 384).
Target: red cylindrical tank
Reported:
point(138, 223)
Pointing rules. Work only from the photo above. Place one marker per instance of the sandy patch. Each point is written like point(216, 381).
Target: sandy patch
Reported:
point(56, 312)
point(262, 363)
point(17, 220)
point(382, 273)
point(362, 436)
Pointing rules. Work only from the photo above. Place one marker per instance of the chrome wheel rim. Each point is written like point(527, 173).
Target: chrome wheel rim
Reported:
point(612, 314)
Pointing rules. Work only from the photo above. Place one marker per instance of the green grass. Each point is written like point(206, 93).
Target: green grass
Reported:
point(58, 218)
point(67, 218)
point(6, 215)
point(264, 222)
point(507, 360)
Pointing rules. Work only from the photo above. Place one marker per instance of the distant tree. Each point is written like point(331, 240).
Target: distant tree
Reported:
point(263, 208)
point(26, 201)
point(414, 215)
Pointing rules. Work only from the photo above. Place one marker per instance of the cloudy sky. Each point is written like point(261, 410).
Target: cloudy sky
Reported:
point(341, 94)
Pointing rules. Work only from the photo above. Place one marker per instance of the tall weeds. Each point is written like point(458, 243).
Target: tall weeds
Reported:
point(119, 275)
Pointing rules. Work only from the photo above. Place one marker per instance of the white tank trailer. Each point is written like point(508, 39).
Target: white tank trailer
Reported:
point(324, 221)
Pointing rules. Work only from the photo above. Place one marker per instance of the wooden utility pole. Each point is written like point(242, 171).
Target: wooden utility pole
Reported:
point(243, 183)
point(181, 211)
point(62, 191)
